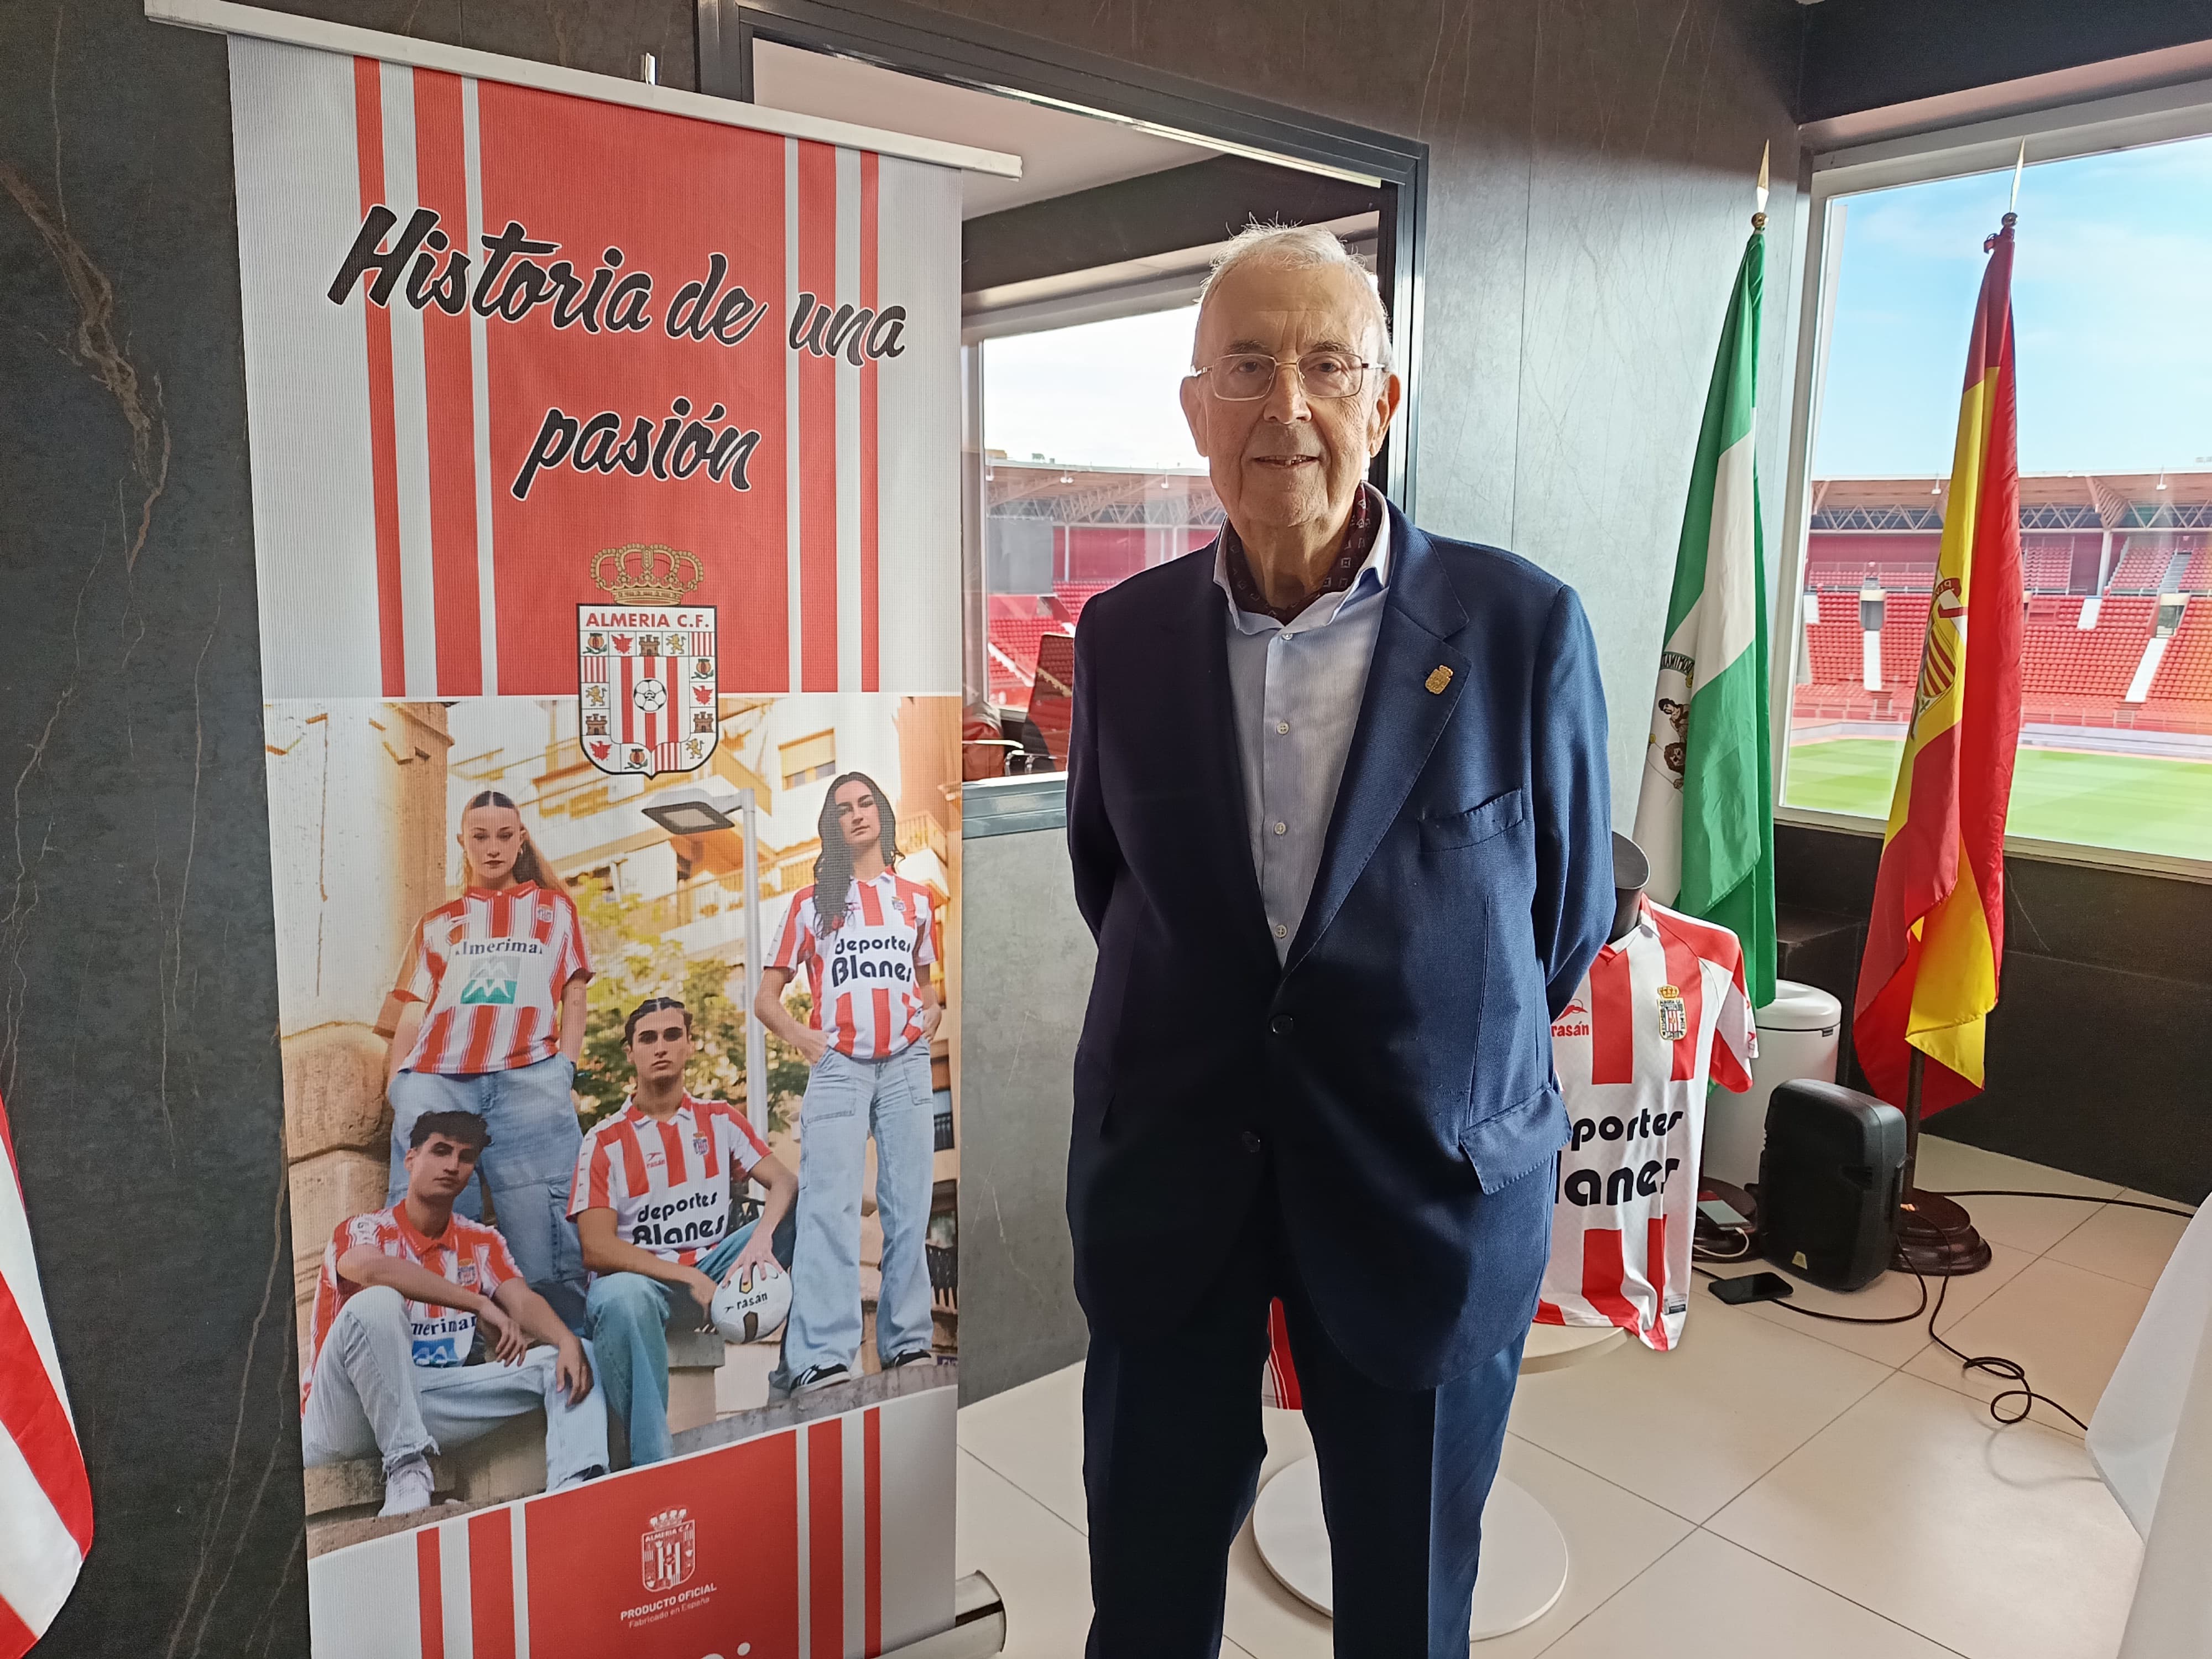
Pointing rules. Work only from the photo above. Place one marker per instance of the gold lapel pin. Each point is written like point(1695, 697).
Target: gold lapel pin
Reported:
point(1439, 677)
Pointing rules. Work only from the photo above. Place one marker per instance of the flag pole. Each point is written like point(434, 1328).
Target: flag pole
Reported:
point(1935, 1235)
point(1976, 728)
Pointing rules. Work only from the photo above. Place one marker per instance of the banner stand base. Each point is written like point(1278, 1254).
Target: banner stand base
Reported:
point(979, 1625)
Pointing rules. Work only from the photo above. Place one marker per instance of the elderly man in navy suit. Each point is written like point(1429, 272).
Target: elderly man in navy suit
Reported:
point(1338, 810)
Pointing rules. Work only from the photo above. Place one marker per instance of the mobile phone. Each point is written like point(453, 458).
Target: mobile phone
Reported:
point(1751, 1287)
point(1722, 1213)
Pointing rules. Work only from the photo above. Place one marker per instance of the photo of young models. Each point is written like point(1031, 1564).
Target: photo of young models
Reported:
point(493, 989)
point(866, 937)
point(651, 1207)
point(403, 1295)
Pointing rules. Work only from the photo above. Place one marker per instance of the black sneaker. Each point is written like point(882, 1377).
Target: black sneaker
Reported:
point(820, 1376)
point(911, 1357)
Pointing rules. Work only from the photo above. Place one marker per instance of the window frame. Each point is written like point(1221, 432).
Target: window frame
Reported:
point(2096, 126)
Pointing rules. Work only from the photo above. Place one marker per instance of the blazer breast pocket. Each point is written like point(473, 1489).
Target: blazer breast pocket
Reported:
point(1493, 817)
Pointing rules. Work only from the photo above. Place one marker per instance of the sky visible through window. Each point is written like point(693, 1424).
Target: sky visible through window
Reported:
point(2112, 306)
point(1099, 394)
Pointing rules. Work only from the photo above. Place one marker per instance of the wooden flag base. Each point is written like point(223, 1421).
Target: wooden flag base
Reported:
point(1936, 1236)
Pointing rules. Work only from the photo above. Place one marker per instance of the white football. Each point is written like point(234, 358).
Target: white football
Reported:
point(751, 1306)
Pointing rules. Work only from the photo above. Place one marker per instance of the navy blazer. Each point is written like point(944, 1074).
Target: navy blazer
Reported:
point(1397, 1065)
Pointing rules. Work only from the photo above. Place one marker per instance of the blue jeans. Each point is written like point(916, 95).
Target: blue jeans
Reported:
point(628, 1317)
point(527, 1168)
point(846, 1099)
point(371, 1397)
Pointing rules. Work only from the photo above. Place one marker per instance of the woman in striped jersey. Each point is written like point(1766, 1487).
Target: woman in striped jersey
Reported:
point(491, 1023)
point(866, 939)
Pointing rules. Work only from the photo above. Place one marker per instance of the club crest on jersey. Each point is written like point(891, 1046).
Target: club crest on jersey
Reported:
point(1673, 1014)
point(645, 664)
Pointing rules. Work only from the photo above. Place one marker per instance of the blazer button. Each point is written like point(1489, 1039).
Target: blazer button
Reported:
point(1282, 1025)
point(1251, 1140)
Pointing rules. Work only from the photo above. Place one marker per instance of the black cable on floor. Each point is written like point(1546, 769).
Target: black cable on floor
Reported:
point(2078, 1198)
point(1996, 1365)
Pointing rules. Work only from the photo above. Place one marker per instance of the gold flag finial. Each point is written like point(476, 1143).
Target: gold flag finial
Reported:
point(2018, 167)
point(1759, 213)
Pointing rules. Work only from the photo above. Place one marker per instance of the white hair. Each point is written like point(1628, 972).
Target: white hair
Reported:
point(1299, 247)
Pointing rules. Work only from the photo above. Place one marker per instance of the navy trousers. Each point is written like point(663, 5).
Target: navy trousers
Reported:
point(1172, 1446)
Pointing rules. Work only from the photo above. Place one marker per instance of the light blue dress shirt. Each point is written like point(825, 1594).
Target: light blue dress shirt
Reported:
point(1296, 689)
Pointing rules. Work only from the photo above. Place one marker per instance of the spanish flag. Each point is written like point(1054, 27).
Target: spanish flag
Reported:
point(1937, 936)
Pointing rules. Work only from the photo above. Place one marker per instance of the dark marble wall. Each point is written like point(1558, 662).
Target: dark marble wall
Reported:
point(138, 1053)
point(2100, 1045)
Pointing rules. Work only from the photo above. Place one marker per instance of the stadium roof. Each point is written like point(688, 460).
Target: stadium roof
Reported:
point(2048, 501)
point(1097, 494)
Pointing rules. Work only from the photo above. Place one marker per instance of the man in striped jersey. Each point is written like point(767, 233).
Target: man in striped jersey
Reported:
point(651, 1200)
point(402, 1294)
point(866, 938)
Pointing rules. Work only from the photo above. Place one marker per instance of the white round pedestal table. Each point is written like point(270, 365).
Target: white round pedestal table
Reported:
point(1524, 1553)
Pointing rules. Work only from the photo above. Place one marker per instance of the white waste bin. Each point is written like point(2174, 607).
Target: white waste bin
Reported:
point(1797, 1037)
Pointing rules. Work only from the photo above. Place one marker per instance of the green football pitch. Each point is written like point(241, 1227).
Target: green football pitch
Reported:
point(2139, 803)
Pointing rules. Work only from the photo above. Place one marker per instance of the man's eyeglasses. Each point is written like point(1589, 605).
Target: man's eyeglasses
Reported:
point(1243, 377)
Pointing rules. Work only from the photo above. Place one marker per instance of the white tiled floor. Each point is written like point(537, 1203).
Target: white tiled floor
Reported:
point(1778, 1484)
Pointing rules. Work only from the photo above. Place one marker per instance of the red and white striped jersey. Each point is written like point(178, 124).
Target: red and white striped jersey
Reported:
point(470, 1253)
point(667, 1180)
point(492, 966)
point(1659, 1012)
point(867, 988)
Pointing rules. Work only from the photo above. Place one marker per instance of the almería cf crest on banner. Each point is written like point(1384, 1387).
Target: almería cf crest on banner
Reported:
point(671, 1551)
point(645, 664)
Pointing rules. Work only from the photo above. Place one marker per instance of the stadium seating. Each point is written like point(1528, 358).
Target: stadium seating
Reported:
point(2143, 566)
point(2186, 673)
point(1835, 648)
point(2061, 659)
point(2046, 563)
point(1827, 575)
point(2197, 578)
point(1904, 630)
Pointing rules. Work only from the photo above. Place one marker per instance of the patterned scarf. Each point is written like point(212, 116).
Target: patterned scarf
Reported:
point(1360, 533)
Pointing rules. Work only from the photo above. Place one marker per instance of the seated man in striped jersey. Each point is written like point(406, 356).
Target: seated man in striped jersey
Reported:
point(651, 1201)
point(405, 1291)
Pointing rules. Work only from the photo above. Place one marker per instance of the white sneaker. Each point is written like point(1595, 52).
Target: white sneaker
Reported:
point(407, 1488)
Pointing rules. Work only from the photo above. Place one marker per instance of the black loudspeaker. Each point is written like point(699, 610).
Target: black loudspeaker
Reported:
point(1830, 1181)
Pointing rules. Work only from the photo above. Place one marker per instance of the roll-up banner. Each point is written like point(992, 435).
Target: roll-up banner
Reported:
point(605, 497)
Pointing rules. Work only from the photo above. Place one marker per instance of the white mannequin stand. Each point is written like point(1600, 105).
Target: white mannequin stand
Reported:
point(1524, 1554)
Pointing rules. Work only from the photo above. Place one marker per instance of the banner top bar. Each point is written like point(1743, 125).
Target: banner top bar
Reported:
point(224, 17)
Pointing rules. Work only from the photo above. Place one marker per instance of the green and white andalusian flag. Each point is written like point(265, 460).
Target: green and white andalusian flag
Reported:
point(1705, 815)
